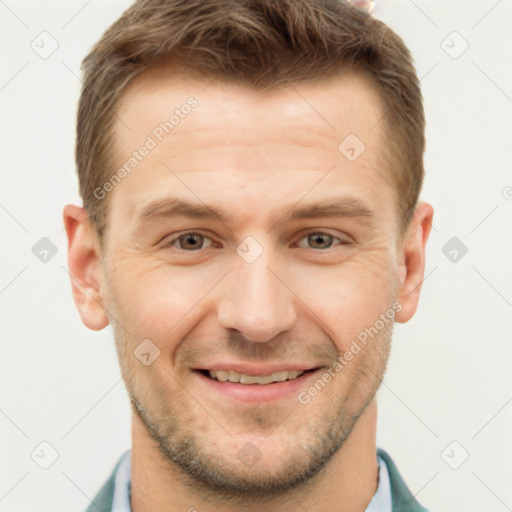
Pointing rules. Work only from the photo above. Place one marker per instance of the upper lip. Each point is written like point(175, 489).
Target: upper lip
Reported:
point(258, 369)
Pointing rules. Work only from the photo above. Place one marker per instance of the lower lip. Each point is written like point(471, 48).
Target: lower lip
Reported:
point(259, 392)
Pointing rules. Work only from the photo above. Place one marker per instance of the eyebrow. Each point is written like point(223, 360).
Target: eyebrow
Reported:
point(338, 206)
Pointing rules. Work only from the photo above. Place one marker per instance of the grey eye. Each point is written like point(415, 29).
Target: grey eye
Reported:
point(319, 240)
point(190, 242)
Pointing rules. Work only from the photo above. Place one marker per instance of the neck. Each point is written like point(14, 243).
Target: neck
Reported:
point(347, 483)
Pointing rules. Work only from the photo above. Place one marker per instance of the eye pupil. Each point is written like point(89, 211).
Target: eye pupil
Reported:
point(191, 238)
point(320, 239)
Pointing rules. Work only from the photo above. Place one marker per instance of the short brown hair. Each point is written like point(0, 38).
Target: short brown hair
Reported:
point(260, 43)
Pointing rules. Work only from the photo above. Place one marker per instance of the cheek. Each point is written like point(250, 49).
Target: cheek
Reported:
point(155, 300)
point(349, 298)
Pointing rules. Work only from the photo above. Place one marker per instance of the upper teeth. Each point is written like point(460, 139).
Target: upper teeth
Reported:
point(232, 376)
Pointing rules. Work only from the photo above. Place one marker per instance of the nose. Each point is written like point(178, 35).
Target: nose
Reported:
point(256, 301)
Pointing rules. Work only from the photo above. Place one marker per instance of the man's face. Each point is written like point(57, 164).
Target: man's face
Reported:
point(254, 287)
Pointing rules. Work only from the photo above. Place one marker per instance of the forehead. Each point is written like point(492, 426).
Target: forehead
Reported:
point(243, 147)
point(347, 100)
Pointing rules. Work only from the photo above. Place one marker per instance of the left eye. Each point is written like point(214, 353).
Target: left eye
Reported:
point(190, 241)
point(319, 240)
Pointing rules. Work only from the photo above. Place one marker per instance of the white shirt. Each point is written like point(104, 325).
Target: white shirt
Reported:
point(381, 501)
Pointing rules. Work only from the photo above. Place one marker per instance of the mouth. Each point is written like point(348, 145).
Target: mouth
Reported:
point(242, 378)
point(246, 388)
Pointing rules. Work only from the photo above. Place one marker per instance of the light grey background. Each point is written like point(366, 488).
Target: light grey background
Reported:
point(449, 378)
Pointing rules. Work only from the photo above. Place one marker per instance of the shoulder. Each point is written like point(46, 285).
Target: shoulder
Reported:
point(103, 500)
point(402, 497)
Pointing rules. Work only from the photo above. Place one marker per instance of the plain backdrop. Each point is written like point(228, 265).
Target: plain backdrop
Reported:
point(445, 408)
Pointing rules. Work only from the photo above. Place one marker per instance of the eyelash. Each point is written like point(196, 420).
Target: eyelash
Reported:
point(177, 238)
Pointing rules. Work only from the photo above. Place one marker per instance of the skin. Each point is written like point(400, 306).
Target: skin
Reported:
point(304, 299)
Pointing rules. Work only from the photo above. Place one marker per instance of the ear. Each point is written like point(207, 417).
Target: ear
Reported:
point(84, 261)
point(412, 261)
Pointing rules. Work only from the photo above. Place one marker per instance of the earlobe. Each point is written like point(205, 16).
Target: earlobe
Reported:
point(85, 272)
point(412, 261)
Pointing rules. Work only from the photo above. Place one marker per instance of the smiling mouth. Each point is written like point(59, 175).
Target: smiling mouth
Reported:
point(240, 378)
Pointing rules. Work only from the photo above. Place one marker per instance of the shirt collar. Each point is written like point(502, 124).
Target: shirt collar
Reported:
point(122, 485)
